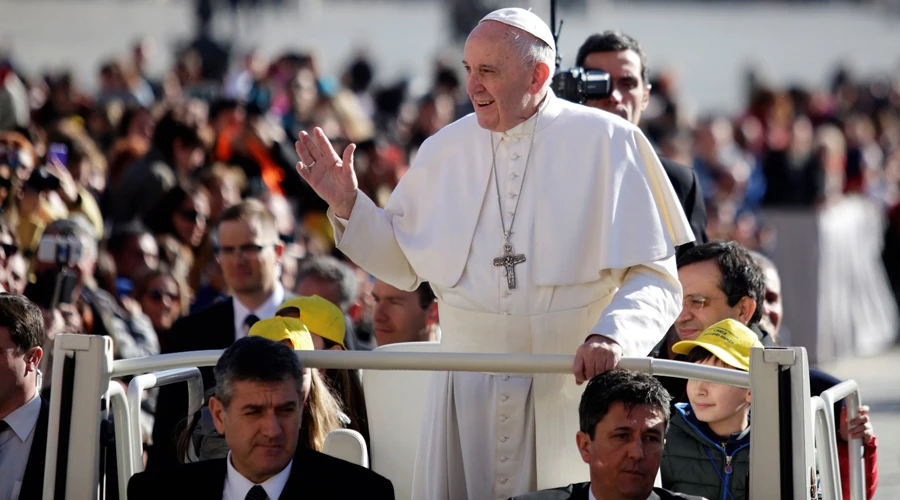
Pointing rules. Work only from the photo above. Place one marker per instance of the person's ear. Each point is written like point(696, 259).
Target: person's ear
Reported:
point(431, 314)
point(584, 441)
point(539, 77)
point(746, 307)
point(748, 399)
point(217, 410)
point(33, 359)
point(646, 100)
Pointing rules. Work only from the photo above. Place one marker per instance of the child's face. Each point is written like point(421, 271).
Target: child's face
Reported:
point(723, 407)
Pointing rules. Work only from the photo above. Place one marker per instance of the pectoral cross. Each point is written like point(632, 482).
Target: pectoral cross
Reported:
point(509, 260)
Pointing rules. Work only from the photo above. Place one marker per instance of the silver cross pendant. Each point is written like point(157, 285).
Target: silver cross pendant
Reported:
point(509, 260)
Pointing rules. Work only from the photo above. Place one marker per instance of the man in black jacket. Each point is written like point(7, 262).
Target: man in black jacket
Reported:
point(249, 251)
point(624, 416)
point(23, 412)
point(258, 407)
point(623, 58)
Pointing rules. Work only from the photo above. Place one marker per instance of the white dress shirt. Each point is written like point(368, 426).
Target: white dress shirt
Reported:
point(591, 493)
point(237, 486)
point(264, 311)
point(15, 446)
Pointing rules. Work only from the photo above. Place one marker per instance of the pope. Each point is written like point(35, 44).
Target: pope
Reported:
point(543, 227)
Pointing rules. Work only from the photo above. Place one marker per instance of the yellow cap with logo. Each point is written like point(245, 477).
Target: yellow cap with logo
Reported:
point(280, 329)
point(729, 340)
point(319, 315)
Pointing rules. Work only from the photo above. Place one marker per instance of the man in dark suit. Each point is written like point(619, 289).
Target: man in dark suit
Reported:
point(623, 58)
point(23, 412)
point(249, 252)
point(258, 407)
point(624, 416)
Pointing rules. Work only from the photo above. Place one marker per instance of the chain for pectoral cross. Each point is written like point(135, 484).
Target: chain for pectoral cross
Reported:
point(510, 259)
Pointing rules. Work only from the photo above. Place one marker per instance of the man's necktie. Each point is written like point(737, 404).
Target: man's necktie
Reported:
point(256, 493)
point(3, 425)
point(251, 320)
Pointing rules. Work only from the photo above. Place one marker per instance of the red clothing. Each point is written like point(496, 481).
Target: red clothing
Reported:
point(870, 469)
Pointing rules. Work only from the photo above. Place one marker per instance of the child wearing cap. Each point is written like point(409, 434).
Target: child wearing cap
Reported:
point(327, 329)
point(707, 450)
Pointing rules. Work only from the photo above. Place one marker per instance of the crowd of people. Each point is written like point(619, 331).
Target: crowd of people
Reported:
point(167, 212)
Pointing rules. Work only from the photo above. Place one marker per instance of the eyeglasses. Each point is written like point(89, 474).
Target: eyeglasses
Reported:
point(157, 295)
point(249, 251)
point(193, 215)
point(696, 302)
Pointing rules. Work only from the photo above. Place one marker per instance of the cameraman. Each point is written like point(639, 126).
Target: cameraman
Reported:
point(64, 268)
point(623, 58)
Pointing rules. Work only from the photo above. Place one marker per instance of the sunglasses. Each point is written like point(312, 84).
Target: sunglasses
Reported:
point(193, 215)
point(157, 295)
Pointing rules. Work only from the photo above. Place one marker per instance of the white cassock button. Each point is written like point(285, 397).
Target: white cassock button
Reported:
point(513, 195)
point(503, 481)
point(504, 397)
point(513, 175)
point(503, 439)
point(504, 378)
point(516, 140)
point(503, 418)
point(506, 313)
point(510, 213)
point(503, 459)
point(506, 293)
point(515, 156)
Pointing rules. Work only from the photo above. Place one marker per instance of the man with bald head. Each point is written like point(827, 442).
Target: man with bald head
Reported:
point(543, 227)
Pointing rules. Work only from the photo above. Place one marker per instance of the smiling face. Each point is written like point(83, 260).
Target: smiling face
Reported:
point(504, 89)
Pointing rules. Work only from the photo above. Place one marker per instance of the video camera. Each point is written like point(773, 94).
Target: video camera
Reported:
point(578, 85)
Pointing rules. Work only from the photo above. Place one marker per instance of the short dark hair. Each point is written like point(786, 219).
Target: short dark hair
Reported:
point(741, 275)
point(620, 386)
point(256, 359)
point(24, 321)
point(699, 354)
point(426, 295)
point(613, 41)
point(328, 268)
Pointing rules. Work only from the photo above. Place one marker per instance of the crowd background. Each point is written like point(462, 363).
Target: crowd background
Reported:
point(163, 134)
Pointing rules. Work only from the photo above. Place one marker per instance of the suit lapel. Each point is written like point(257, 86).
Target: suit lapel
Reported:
point(33, 480)
point(224, 334)
point(580, 491)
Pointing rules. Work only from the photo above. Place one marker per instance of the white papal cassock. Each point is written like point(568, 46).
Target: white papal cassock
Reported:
point(598, 222)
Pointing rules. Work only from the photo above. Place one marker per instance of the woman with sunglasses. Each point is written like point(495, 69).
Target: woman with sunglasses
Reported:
point(163, 299)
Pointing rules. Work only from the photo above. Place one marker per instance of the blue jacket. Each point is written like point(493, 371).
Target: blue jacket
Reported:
point(698, 462)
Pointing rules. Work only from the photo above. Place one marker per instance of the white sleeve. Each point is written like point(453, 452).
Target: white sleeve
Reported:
point(368, 239)
point(644, 307)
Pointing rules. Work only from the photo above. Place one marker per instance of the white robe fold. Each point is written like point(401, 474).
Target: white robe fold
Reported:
point(598, 223)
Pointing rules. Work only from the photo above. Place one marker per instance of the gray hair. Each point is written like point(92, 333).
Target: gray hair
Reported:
point(531, 50)
point(328, 268)
point(256, 359)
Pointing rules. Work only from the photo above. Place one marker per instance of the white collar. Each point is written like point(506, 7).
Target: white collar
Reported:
point(266, 310)
point(549, 106)
point(239, 485)
point(24, 418)
point(591, 493)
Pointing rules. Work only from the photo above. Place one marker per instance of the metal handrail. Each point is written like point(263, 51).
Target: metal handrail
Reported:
point(826, 444)
point(123, 418)
point(136, 389)
point(848, 390)
point(443, 361)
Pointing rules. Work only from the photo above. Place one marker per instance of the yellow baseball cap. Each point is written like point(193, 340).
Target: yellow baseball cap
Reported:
point(321, 317)
point(728, 340)
point(280, 328)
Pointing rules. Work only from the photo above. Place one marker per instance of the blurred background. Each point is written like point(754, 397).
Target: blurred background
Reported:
point(789, 112)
